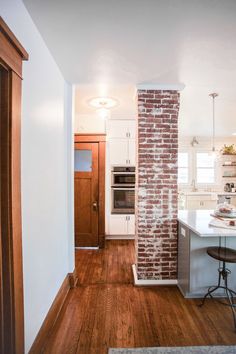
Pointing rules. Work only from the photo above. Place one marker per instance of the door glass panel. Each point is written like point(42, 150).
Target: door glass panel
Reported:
point(83, 160)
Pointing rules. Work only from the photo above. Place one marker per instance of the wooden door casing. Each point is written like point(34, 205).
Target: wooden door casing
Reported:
point(11, 272)
point(86, 195)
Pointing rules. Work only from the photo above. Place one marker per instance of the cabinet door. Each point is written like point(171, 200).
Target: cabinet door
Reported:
point(117, 129)
point(131, 224)
point(132, 129)
point(209, 204)
point(118, 149)
point(183, 259)
point(118, 225)
point(193, 204)
point(132, 152)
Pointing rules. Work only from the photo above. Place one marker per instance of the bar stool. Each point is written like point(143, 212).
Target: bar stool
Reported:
point(225, 255)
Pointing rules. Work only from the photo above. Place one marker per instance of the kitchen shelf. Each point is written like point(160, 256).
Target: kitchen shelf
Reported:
point(229, 155)
point(229, 176)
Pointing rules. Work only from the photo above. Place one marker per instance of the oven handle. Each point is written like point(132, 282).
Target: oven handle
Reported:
point(123, 173)
point(123, 188)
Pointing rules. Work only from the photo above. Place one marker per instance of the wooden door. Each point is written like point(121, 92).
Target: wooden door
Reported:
point(86, 195)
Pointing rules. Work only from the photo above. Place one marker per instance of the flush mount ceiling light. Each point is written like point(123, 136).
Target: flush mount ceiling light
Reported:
point(213, 96)
point(102, 105)
point(103, 102)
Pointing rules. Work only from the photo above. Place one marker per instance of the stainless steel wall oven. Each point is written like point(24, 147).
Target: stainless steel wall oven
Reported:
point(123, 190)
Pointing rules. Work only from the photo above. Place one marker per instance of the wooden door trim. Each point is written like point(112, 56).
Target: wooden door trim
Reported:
point(11, 55)
point(101, 140)
point(11, 51)
point(13, 40)
point(90, 138)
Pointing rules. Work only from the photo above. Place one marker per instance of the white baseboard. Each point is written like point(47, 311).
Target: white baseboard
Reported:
point(143, 282)
point(119, 237)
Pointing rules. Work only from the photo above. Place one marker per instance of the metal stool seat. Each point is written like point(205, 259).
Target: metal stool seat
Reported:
point(225, 255)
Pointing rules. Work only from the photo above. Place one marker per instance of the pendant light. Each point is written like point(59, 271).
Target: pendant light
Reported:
point(213, 149)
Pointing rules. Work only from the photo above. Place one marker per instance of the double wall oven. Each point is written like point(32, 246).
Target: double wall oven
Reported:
point(123, 190)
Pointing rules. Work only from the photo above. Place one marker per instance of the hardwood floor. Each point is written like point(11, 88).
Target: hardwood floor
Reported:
point(106, 310)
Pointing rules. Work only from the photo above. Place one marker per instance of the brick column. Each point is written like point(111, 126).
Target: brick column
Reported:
point(156, 202)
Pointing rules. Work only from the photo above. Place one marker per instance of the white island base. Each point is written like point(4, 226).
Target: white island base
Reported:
point(196, 270)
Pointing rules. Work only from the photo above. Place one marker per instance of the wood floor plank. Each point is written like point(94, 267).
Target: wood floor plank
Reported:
point(106, 310)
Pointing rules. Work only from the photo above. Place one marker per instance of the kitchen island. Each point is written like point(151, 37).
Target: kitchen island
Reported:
point(196, 270)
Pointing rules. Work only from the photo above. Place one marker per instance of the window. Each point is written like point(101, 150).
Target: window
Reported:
point(83, 160)
point(205, 168)
point(183, 167)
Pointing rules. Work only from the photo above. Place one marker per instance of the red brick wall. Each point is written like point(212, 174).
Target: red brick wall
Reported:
point(156, 202)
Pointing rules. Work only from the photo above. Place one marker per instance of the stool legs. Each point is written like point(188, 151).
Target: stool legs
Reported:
point(223, 274)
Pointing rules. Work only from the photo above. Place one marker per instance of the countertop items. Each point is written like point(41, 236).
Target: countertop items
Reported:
point(198, 222)
point(231, 194)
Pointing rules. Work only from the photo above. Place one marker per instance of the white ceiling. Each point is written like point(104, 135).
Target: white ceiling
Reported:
point(109, 42)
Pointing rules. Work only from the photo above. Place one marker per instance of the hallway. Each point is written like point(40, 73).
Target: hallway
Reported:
point(106, 310)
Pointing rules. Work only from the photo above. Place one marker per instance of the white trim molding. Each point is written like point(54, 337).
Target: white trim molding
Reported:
point(120, 237)
point(174, 87)
point(143, 282)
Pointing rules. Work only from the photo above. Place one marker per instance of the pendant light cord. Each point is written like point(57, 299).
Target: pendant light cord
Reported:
point(213, 124)
point(213, 95)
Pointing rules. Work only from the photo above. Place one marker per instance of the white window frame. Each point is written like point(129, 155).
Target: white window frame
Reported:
point(185, 185)
point(216, 182)
point(192, 163)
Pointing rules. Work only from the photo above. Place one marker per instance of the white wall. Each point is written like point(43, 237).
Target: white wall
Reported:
point(47, 247)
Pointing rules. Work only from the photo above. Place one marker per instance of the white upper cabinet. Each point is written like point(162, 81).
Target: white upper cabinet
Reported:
point(132, 129)
point(132, 152)
point(121, 138)
point(118, 150)
point(118, 129)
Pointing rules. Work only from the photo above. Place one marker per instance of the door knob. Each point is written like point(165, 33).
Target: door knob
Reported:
point(95, 206)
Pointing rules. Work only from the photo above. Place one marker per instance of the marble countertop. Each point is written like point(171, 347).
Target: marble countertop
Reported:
point(198, 222)
point(207, 193)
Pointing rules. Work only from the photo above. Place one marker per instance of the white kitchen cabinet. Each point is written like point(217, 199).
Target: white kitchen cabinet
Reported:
point(131, 224)
point(194, 202)
point(132, 129)
point(119, 152)
point(122, 152)
point(121, 138)
point(132, 152)
point(118, 225)
point(122, 224)
point(118, 129)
